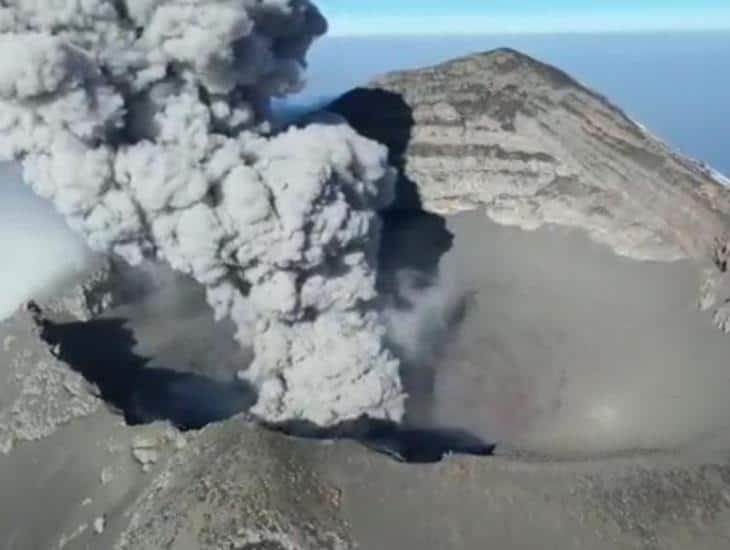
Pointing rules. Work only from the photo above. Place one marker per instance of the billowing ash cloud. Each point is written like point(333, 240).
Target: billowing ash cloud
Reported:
point(144, 122)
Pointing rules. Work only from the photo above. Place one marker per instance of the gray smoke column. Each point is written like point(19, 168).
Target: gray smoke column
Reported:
point(145, 123)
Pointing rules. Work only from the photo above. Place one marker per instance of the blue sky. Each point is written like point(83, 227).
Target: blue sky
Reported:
point(363, 17)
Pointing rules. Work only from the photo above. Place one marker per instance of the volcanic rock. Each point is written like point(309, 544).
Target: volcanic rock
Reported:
point(530, 146)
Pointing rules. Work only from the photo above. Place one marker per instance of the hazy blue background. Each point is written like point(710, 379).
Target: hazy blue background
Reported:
point(348, 17)
point(675, 83)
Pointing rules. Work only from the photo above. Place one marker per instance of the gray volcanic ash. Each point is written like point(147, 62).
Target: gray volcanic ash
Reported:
point(145, 123)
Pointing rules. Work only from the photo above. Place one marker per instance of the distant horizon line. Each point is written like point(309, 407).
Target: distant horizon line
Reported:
point(423, 34)
point(342, 24)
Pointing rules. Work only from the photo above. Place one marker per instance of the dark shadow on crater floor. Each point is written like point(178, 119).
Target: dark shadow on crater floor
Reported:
point(404, 443)
point(103, 352)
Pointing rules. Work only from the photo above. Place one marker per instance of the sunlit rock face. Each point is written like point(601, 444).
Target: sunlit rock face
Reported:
point(532, 146)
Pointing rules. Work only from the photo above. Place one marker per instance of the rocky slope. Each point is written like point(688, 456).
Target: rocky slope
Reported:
point(90, 482)
point(237, 487)
point(38, 393)
point(531, 146)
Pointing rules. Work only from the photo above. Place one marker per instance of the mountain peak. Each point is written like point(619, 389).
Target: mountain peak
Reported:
point(530, 145)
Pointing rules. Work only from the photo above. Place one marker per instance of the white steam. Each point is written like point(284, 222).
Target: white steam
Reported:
point(144, 122)
point(39, 252)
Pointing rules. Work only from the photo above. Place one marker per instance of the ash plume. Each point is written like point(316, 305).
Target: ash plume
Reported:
point(145, 123)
